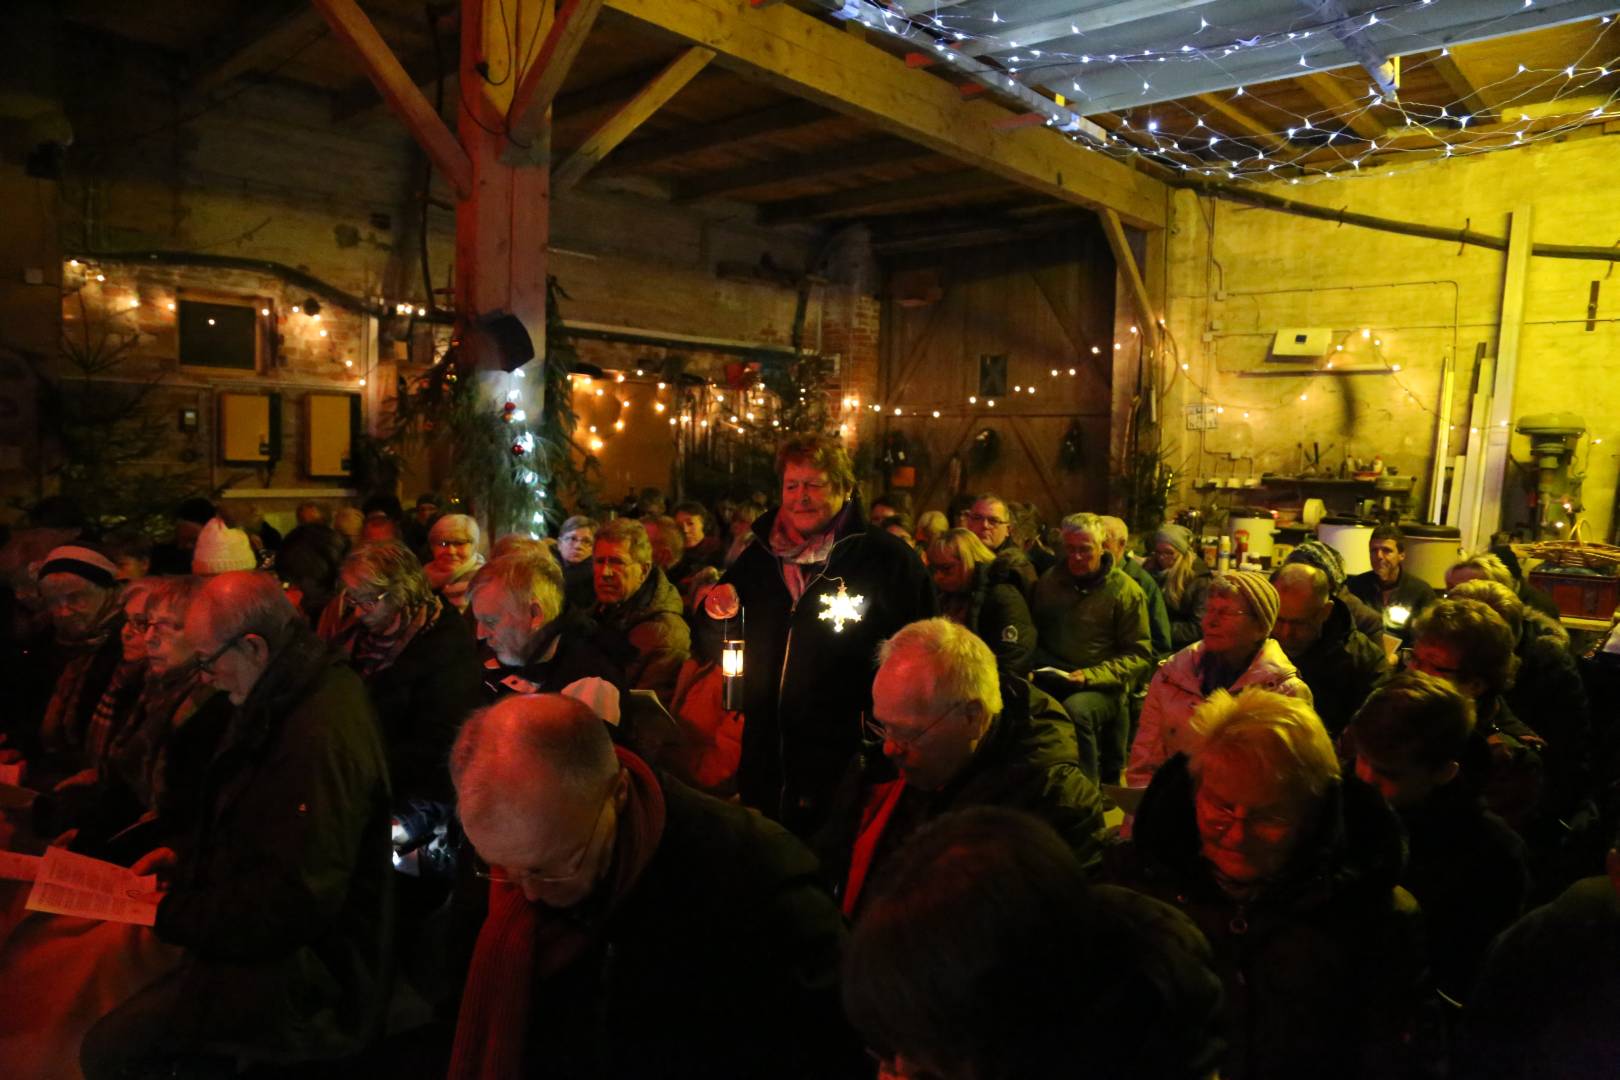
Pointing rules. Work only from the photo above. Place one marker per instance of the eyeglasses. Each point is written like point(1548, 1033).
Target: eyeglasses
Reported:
point(138, 623)
point(883, 733)
point(448, 543)
point(206, 664)
point(984, 519)
point(365, 600)
point(1222, 816)
point(501, 874)
point(1408, 658)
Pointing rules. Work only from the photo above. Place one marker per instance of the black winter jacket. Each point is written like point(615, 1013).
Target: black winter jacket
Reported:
point(1469, 872)
point(1340, 669)
point(999, 614)
point(421, 700)
point(565, 652)
point(282, 899)
point(1321, 970)
point(721, 963)
point(1028, 761)
point(807, 684)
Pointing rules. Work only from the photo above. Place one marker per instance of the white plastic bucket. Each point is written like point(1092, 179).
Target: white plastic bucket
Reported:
point(1349, 539)
point(1259, 530)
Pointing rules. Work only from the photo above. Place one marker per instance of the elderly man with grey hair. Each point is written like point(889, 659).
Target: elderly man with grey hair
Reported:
point(1093, 643)
point(280, 898)
point(628, 925)
point(948, 731)
point(533, 641)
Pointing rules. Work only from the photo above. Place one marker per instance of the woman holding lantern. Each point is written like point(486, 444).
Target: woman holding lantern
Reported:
point(819, 592)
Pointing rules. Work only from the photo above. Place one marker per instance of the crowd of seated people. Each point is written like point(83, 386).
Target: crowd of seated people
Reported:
point(977, 798)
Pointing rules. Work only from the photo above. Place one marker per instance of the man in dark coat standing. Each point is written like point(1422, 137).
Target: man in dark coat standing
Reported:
point(954, 732)
point(282, 897)
point(1338, 662)
point(818, 592)
point(629, 926)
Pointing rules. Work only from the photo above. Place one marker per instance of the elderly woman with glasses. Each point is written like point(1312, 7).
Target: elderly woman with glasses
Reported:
point(417, 657)
point(1291, 870)
point(1236, 652)
point(453, 541)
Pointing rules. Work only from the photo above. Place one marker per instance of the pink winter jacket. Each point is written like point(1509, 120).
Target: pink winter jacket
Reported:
point(1175, 692)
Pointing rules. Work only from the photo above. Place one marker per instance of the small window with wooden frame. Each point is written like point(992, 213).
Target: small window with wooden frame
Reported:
point(223, 332)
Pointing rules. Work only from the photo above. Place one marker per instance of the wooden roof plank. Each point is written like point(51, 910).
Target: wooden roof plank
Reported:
point(686, 142)
point(1330, 95)
point(878, 197)
point(794, 52)
point(631, 115)
point(816, 166)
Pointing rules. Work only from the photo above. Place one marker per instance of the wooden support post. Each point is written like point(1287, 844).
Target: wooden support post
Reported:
point(543, 78)
point(350, 26)
point(504, 226)
point(631, 115)
point(1442, 440)
point(1148, 325)
point(1500, 431)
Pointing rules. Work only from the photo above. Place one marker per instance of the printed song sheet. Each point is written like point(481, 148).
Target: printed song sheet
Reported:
point(69, 884)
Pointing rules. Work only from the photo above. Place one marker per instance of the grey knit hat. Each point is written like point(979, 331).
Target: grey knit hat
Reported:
point(1324, 558)
point(1176, 536)
point(1257, 592)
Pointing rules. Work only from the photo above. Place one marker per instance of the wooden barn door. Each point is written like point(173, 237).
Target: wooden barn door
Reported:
point(1046, 304)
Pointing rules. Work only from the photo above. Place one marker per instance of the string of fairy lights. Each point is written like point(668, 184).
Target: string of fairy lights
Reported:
point(1532, 104)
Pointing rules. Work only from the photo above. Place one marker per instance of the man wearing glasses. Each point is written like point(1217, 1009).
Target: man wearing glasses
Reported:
point(954, 733)
point(631, 926)
point(281, 900)
point(990, 520)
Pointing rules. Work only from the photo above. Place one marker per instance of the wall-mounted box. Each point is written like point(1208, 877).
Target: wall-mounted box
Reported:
point(331, 422)
point(249, 428)
point(1302, 343)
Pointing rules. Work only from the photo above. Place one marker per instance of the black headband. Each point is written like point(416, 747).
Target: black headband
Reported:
point(92, 573)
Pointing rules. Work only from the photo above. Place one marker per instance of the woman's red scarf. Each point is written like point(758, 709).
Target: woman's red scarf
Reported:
point(521, 941)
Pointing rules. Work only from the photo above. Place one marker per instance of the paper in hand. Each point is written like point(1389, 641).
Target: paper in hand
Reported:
point(69, 884)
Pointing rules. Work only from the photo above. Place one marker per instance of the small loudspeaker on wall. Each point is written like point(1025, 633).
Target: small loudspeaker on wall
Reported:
point(506, 339)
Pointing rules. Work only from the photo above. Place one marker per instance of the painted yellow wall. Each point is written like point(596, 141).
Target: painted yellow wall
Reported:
point(1238, 274)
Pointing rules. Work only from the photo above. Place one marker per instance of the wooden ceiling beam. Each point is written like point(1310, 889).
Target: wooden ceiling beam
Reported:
point(662, 149)
point(833, 161)
point(1245, 122)
point(269, 33)
point(360, 97)
point(543, 78)
point(631, 115)
point(873, 198)
point(800, 55)
point(1326, 89)
point(1466, 82)
point(351, 27)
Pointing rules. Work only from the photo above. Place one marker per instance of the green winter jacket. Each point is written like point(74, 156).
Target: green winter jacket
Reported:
point(1098, 625)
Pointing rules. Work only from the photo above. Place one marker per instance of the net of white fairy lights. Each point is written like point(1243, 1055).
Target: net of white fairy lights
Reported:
point(1533, 103)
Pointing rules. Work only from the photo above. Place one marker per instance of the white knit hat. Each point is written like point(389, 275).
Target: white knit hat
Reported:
point(221, 548)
